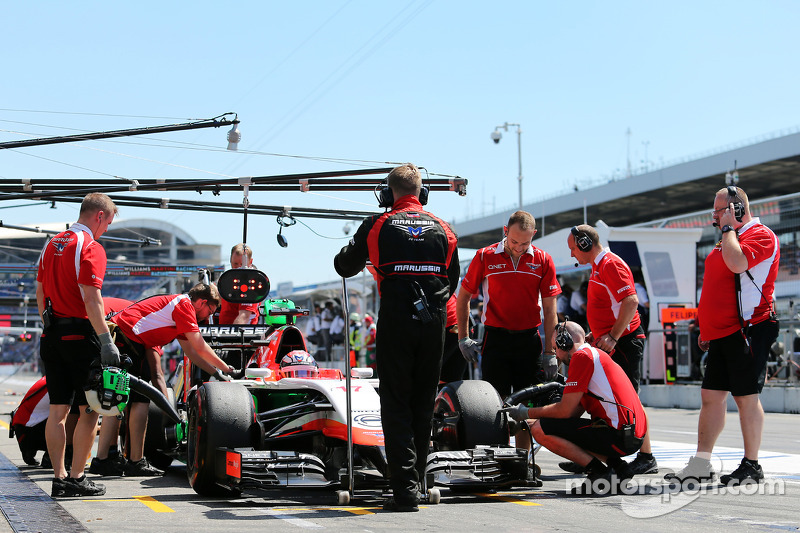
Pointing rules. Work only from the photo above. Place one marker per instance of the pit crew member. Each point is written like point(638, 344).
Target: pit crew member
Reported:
point(239, 313)
point(141, 328)
point(598, 386)
point(415, 263)
point(68, 294)
point(512, 275)
point(613, 317)
point(737, 323)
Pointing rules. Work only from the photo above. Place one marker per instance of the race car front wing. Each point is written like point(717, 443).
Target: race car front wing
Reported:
point(478, 468)
point(243, 468)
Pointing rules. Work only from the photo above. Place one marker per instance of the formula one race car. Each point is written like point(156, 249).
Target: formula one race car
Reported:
point(283, 421)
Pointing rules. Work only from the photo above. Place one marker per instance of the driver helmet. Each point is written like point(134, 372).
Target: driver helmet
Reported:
point(299, 364)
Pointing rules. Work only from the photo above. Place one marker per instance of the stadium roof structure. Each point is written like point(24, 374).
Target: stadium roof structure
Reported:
point(765, 169)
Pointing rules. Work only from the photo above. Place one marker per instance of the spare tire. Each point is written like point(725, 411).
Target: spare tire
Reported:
point(468, 413)
point(220, 415)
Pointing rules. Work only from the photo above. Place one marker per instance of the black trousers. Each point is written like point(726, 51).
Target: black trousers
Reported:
point(454, 366)
point(511, 361)
point(409, 357)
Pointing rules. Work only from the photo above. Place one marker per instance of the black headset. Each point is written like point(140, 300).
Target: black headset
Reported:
point(386, 196)
point(564, 340)
point(738, 205)
point(582, 239)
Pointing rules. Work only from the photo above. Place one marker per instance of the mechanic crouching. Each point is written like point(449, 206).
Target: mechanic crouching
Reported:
point(598, 386)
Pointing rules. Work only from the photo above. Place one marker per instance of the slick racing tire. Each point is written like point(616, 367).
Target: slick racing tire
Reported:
point(220, 415)
point(478, 421)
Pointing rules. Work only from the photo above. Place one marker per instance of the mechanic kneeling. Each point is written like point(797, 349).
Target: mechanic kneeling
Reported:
point(598, 386)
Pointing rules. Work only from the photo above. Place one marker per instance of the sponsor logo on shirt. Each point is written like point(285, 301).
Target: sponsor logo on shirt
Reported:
point(60, 246)
point(412, 215)
point(498, 266)
point(553, 287)
point(625, 288)
point(417, 268)
point(416, 233)
point(571, 384)
point(533, 266)
point(419, 222)
point(415, 228)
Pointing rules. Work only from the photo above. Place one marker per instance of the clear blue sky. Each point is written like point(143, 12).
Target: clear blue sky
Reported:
point(422, 81)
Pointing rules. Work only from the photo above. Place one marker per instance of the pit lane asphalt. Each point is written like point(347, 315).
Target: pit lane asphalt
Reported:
point(167, 504)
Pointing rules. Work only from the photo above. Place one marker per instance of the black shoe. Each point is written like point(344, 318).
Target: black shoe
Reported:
point(698, 470)
point(643, 465)
point(621, 473)
point(572, 468)
point(747, 473)
point(392, 505)
point(71, 488)
point(141, 468)
point(29, 456)
point(46, 461)
point(110, 466)
point(594, 484)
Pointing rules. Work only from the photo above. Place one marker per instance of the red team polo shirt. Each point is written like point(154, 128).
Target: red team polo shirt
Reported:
point(229, 311)
point(611, 281)
point(158, 320)
point(718, 307)
point(511, 295)
point(592, 370)
point(70, 259)
point(34, 407)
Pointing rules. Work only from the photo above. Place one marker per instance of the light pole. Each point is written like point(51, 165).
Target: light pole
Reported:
point(496, 136)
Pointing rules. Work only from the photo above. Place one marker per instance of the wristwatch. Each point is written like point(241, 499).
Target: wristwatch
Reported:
point(726, 228)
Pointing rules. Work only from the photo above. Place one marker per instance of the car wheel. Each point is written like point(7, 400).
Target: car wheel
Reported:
point(479, 419)
point(220, 415)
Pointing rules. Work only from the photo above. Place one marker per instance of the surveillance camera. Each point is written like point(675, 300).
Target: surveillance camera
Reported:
point(496, 136)
point(346, 229)
point(283, 242)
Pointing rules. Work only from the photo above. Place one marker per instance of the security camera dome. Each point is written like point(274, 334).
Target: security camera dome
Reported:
point(496, 136)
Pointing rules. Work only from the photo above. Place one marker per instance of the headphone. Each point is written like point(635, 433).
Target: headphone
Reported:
point(738, 205)
point(386, 196)
point(582, 239)
point(564, 340)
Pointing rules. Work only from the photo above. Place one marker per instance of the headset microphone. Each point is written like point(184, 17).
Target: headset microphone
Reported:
point(715, 224)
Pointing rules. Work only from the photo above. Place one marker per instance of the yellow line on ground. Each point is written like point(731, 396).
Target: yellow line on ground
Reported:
point(149, 501)
point(153, 504)
point(356, 510)
point(508, 499)
point(4, 424)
